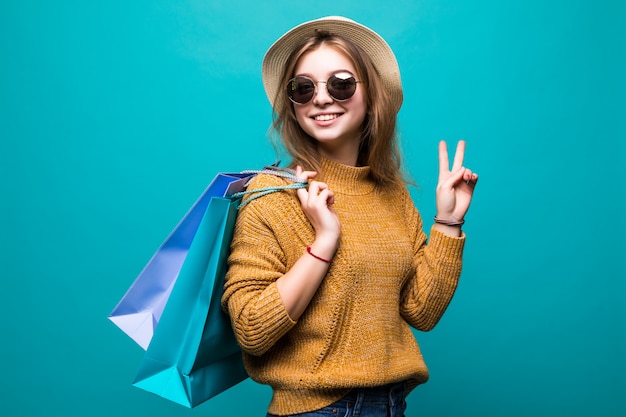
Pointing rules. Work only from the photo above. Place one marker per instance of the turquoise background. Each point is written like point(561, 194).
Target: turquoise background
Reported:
point(115, 115)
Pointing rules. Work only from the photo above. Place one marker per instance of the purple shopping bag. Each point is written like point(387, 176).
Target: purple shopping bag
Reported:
point(139, 311)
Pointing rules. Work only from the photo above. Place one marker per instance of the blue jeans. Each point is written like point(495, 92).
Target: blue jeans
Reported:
point(385, 401)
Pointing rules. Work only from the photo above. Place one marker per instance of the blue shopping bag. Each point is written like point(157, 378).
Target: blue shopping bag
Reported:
point(192, 354)
point(138, 312)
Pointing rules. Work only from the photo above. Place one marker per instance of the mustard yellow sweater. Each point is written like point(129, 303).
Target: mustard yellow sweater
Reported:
point(355, 333)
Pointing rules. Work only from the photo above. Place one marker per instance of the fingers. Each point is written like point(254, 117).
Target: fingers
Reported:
point(456, 177)
point(303, 175)
point(473, 180)
point(469, 176)
point(458, 172)
point(316, 202)
point(459, 155)
point(317, 195)
point(444, 160)
point(462, 175)
point(444, 164)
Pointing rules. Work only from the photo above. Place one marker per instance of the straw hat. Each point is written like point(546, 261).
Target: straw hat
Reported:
point(369, 41)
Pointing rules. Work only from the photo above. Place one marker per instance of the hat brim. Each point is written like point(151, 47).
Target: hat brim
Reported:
point(366, 39)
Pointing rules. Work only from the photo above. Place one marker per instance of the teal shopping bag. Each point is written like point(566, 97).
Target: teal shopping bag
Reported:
point(139, 311)
point(193, 354)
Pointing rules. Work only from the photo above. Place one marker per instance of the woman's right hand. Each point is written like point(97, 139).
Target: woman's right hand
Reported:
point(298, 285)
point(317, 203)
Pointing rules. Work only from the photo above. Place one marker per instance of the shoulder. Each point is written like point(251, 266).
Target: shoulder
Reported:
point(267, 213)
point(266, 180)
point(271, 193)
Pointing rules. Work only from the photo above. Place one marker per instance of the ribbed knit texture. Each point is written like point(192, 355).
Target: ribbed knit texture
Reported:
point(355, 332)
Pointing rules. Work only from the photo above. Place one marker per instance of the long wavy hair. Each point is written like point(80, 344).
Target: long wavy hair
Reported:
point(379, 144)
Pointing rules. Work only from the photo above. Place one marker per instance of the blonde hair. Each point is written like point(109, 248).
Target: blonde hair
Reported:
point(379, 145)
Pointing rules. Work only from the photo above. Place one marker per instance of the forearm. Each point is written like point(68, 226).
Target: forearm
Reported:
point(262, 307)
point(298, 286)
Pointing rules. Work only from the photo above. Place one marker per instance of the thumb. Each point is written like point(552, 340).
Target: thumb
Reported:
point(456, 177)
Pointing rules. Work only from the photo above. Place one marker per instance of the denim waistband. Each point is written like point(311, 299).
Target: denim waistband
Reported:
point(384, 394)
point(366, 402)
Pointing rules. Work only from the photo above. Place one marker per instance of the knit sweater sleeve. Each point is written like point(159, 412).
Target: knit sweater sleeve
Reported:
point(256, 261)
point(426, 295)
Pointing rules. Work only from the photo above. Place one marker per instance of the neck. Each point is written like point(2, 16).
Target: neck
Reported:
point(346, 153)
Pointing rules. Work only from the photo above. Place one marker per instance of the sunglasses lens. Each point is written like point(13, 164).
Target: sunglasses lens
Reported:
point(341, 87)
point(300, 89)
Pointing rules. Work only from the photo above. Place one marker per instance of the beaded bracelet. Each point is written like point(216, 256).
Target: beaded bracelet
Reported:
point(449, 222)
point(308, 249)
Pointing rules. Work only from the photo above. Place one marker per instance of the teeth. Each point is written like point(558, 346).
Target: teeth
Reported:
point(325, 117)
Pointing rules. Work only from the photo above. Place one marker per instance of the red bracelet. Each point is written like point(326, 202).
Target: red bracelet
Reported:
point(308, 249)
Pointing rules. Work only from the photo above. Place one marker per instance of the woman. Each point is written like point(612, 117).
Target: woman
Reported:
point(325, 282)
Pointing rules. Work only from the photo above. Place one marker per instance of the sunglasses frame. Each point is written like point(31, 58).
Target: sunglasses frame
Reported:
point(315, 83)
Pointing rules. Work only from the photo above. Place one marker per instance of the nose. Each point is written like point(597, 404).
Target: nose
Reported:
point(321, 94)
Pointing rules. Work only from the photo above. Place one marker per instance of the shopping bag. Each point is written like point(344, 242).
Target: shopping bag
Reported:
point(193, 354)
point(138, 312)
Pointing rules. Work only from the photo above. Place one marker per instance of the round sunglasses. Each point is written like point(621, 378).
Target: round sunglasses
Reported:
point(340, 87)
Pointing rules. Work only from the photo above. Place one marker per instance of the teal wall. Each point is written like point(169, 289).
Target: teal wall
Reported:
point(114, 115)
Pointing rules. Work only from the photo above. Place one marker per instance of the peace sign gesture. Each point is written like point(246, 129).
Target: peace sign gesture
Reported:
point(455, 186)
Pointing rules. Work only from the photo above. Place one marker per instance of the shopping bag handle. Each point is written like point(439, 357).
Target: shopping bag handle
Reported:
point(271, 170)
point(287, 173)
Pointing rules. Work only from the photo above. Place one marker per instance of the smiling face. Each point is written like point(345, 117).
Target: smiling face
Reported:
point(336, 125)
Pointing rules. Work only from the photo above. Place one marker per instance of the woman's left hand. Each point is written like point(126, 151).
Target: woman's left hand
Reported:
point(456, 186)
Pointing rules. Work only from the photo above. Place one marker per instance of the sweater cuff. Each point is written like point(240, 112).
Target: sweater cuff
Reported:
point(446, 246)
point(273, 310)
point(270, 323)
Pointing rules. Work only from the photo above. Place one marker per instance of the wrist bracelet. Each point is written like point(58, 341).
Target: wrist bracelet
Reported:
point(449, 222)
point(308, 249)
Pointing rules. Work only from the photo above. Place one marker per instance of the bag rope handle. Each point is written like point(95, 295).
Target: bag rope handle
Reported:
point(260, 192)
point(287, 173)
